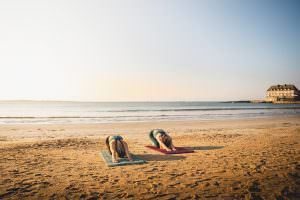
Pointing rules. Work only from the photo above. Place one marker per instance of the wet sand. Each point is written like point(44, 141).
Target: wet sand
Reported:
point(233, 159)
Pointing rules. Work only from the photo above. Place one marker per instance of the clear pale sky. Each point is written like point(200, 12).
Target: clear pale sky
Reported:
point(147, 50)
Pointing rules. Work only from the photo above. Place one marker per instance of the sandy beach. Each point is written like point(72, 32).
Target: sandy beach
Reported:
point(233, 159)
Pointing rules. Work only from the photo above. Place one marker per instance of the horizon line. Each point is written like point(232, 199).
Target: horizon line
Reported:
point(113, 101)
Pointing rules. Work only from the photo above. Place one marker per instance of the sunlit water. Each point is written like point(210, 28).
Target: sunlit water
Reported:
point(102, 112)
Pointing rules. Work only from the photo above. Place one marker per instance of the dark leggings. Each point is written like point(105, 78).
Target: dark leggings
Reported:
point(153, 139)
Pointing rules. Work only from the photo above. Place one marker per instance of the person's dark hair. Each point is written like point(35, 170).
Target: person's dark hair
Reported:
point(120, 148)
point(167, 140)
point(107, 144)
point(118, 145)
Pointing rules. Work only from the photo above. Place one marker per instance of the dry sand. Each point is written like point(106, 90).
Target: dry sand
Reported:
point(233, 159)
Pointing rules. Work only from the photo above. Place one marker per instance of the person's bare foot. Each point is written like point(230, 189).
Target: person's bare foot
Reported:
point(115, 161)
point(129, 158)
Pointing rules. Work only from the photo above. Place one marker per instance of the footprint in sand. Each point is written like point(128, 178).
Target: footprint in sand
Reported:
point(254, 187)
point(7, 181)
point(236, 185)
point(151, 177)
point(53, 197)
point(216, 183)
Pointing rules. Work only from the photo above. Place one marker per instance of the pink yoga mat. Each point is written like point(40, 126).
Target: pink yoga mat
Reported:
point(179, 150)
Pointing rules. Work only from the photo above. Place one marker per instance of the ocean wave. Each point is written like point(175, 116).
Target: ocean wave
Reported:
point(89, 117)
point(186, 110)
point(201, 109)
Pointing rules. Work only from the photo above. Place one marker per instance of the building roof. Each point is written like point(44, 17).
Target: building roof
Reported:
point(282, 87)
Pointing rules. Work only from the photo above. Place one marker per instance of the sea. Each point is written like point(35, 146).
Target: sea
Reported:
point(58, 112)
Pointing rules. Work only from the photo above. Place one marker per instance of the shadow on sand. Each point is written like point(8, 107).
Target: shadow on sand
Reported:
point(205, 147)
point(157, 157)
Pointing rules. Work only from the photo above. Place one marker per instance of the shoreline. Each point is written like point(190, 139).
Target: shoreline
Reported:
point(36, 132)
point(159, 121)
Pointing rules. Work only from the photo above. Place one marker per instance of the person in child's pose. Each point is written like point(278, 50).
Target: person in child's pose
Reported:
point(160, 139)
point(117, 147)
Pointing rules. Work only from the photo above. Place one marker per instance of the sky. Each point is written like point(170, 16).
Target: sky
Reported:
point(202, 50)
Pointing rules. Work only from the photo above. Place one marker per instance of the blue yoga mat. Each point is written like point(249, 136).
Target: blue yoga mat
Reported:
point(122, 161)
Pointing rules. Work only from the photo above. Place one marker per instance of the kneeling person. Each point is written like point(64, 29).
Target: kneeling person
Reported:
point(161, 139)
point(117, 147)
